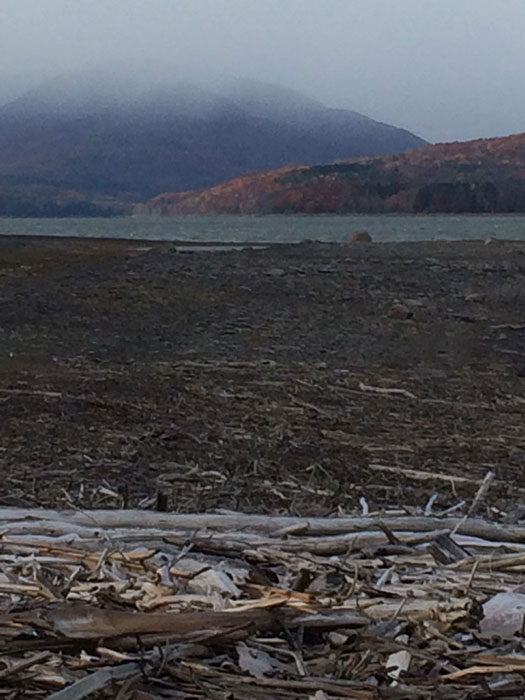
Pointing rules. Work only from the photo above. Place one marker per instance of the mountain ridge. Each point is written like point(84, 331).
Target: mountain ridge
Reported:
point(132, 142)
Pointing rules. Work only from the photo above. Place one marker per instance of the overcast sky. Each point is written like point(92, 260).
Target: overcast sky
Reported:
point(445, 69)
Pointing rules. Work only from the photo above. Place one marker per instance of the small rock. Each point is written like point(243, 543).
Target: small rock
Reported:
point(503, 616)
point(276, 272)
point(360, 237)
point(400, 311)
point(466, 318)
point(337, 639)
point(211, 581)
point(493, 241)
point(475, 297)
point(418, 303)
point(256, 662)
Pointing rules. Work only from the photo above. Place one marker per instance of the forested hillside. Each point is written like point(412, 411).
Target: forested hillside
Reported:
point(487, 175)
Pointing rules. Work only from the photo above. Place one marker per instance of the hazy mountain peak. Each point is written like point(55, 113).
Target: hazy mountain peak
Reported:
point(88, 92)
point(71, 96)
point(113, 135)
point(269, 100)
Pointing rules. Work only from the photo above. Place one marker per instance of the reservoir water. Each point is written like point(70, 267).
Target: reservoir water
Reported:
point(289, 229)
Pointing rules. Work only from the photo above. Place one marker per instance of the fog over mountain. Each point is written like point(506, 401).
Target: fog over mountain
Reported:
point(445, 70)
point(126, 99)
point(136, 138)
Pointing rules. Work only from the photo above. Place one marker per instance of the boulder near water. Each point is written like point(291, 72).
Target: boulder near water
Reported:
point(360, 237)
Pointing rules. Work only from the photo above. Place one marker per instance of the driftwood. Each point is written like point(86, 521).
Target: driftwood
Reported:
point(278, 606)
point(97, 681)
point(98, 522)
point(387, 391)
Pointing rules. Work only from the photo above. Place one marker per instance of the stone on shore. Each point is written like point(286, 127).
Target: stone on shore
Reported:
point(475, 297)
point(360, 237)
point(401, 312)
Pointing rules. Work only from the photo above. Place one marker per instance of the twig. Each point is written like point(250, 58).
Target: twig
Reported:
point(381, 390)
point(15, 668)
point(96, 681)
point(480, 493)
point(430, 503)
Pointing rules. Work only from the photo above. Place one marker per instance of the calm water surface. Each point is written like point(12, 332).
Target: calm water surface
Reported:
point(274, 228)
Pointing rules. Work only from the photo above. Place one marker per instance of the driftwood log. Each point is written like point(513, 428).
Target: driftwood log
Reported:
point(93, 522)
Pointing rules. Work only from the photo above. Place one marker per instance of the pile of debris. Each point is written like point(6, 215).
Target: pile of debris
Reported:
point(144, 605)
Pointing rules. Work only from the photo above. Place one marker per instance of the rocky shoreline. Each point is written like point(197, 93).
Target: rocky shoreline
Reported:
point(305, 379)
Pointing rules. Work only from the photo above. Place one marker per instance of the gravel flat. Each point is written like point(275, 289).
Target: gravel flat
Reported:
point(282, 379)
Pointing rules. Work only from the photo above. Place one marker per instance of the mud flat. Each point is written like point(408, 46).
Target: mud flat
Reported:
point(295, 379)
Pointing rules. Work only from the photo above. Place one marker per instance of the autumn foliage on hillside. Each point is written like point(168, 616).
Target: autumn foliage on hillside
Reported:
point(487, 175)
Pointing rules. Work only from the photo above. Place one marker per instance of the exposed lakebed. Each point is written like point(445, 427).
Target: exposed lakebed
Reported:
point(253, 379)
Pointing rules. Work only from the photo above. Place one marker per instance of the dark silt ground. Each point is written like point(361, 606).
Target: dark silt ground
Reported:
point(241, 379)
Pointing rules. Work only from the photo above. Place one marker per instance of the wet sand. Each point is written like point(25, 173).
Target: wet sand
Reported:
point(286, 378)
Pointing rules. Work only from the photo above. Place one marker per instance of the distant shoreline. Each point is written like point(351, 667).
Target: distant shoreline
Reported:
point(296, 215)
point(142, 245)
